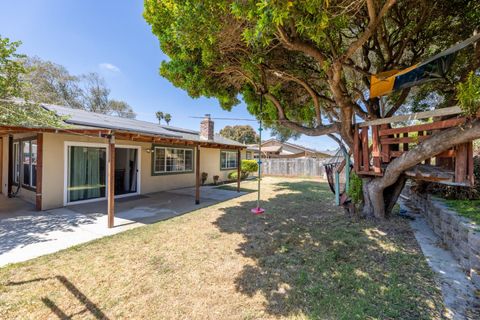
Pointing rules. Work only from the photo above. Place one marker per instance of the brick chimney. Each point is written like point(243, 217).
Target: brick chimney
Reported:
point(206, 128)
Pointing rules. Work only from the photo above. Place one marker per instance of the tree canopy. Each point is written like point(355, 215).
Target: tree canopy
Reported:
point(12, 86)
point(244, 134)
point(48, 82)
point(312, 60)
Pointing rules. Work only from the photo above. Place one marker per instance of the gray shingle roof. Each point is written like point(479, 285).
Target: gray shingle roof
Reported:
point(84, 118)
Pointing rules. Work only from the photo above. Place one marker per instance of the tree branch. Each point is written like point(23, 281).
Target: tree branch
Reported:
point(372, 26)
point(317, 131)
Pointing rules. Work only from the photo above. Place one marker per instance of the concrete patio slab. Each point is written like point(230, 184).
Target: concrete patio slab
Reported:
point(26, 233)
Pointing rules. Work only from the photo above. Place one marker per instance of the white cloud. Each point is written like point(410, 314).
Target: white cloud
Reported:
point(109, 67)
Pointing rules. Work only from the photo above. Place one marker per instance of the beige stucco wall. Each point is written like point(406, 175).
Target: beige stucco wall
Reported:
point(54, 168)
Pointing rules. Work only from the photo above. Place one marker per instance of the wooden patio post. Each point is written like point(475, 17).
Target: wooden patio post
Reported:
point(39, 169)
point(111, 180)
point(197, 175)
point(239, 168)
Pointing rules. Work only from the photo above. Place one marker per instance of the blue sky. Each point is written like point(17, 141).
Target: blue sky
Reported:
point(112, 38)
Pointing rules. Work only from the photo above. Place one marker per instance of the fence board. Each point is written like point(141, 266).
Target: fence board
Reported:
point(302, 167)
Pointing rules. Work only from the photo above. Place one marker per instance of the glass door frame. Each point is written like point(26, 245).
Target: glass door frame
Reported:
point(66, 167)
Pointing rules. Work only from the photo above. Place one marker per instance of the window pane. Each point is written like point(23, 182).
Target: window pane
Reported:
point(34, 163)
point(228, 159)
point(223, 160)
point(173, 160)
point(159, 159)
point(26, 162)
point(188, 160)
point(87, 173)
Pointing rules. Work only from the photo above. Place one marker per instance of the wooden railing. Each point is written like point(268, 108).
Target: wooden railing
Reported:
point(376, 144)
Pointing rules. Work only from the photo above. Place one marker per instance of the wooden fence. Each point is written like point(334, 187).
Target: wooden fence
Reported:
point(307, 167)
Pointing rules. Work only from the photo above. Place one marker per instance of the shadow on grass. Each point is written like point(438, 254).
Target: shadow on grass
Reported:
point(82, 298)
point(310, 260)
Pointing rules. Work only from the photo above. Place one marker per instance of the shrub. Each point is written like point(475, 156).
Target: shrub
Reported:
point(356, 188)
point(233, 175)
point(468, 94)
point(249, 166)
point(215, 179)
point(246, 168)
point(204, 177)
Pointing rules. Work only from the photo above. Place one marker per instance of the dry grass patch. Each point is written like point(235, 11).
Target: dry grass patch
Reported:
point(303, 259)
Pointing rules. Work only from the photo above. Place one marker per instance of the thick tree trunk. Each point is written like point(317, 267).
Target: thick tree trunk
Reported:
point(379, 202)
point(381, 193)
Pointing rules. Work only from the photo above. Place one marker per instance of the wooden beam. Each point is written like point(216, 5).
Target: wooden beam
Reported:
point(413, 116)
point(425, 127)
point(356, 150)
point(405, 145)
point(111, 181)
point(397, 141)
point(470, 171)
point(365, 155)
point(197, 175)
point(239, 169)
point(376, 150)
point(461, 163)
point(39, 169)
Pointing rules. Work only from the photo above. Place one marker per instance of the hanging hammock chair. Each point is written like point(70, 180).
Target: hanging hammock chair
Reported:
point(338, 170)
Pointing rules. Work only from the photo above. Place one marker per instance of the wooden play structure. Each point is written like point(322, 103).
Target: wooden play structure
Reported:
point(378, 142)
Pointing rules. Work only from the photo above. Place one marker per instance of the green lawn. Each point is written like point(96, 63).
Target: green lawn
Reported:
point(303, 259)
point(467, 208)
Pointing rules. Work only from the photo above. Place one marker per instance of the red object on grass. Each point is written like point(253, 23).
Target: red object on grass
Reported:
point(258, 210)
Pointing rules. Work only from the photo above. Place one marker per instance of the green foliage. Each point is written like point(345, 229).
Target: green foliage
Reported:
point(232, 175)
point(249, 166)
point(468, 94)
point(168, 118)
point(241, 133)
point(356, 188)
point(467, 208)
point(51, 83)
point(160, 116)
point(232, 49)
point(15, 108)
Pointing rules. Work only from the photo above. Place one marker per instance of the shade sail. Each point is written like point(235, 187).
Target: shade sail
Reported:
point(432, 69)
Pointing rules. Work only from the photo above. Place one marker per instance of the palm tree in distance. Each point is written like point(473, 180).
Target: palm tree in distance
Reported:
point(160, 116)
point(168, 118)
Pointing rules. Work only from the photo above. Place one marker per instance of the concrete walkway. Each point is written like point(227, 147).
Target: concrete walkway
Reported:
point(26, 233)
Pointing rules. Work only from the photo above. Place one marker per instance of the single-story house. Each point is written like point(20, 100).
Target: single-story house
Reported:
point(97, 157)
point(274, 148)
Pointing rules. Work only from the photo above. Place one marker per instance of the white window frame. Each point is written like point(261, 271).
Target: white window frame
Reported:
point(228, 167)
point(164, 171)
point(98, 145)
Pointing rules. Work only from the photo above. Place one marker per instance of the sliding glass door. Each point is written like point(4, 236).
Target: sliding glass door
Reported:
point(86, 173)
point(126, 171)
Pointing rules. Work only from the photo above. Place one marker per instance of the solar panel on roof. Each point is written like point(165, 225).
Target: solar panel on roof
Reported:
point(82, 117)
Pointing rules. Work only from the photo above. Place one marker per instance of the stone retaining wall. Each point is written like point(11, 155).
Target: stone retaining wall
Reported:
point(458, 233)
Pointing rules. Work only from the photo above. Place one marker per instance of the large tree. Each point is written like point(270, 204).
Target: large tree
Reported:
point(312, 62)
point(15, 108)
point(241, 133)
point(48, 82)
